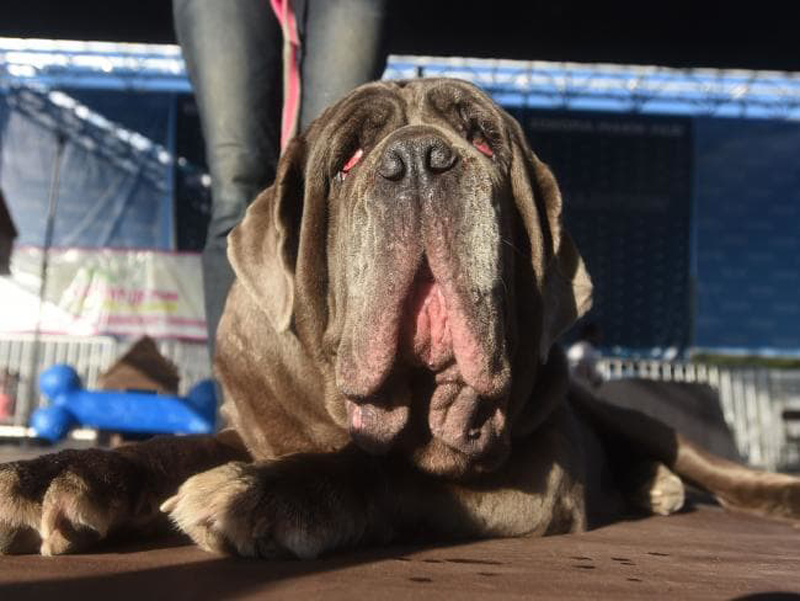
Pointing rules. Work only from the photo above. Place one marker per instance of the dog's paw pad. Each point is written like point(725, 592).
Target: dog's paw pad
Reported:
point(65, 502)
point(215, 509)
point(72, 519)
point(19, 516)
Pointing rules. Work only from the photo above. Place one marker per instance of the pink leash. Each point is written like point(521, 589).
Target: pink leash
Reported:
point(291, 73)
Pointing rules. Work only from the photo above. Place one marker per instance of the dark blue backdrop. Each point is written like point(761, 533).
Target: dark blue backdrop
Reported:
point(747, 220)
point(690, 226)
point(626, 183)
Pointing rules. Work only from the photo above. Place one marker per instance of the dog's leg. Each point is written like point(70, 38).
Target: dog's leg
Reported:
point(300, 505)
point(66, 501)
point(734, 485)
point(307, 504)
point(738, 487)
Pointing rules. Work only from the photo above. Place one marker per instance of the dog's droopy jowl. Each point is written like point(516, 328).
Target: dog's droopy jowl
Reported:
point(388, 363)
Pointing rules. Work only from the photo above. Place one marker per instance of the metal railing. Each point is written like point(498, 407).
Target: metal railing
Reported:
point(22, 358)
point(752, 401)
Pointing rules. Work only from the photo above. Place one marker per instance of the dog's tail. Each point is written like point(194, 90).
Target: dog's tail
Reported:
point(735, 486)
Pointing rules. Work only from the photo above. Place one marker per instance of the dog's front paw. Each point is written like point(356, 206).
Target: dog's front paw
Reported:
point(267, 510)
point(65, 502)
point(216, 508)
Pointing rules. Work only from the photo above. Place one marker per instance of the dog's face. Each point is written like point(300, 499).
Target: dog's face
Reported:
point(413, 242)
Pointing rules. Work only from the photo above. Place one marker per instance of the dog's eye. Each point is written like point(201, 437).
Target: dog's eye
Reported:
point(351, 162)
point(482, 145)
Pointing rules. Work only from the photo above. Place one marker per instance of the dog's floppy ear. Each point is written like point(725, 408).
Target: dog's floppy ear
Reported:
point(263, 248)
point(564, 283)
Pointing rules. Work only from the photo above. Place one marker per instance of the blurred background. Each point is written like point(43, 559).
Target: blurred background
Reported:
point(674, 131)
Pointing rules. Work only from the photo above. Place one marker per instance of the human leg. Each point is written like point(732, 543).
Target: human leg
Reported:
point(343, 47)
point(233, 55)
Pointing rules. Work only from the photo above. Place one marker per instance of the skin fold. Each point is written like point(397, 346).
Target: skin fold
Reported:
point(388, 364)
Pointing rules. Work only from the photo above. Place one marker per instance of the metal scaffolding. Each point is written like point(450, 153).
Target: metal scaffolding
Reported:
point(619, 88)
point(128, 150)
point(52, 64)
point(56, 64)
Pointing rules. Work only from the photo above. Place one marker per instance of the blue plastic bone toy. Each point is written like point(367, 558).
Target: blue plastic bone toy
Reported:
point(140, 412)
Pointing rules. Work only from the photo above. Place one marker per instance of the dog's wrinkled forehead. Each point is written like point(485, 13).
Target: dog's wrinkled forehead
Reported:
point(362, 119)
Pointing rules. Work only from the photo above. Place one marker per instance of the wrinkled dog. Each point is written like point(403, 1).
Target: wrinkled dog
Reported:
point(388, 363)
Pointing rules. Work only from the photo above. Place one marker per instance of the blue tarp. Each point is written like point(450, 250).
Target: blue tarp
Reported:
point(114, 191)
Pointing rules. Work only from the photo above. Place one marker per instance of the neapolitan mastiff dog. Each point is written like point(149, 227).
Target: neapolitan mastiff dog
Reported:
point(388, 361)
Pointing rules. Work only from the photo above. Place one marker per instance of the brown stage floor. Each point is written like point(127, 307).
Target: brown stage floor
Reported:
point(701, 554)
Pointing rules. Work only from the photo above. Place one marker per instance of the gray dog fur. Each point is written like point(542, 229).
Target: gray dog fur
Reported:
point(388, 361)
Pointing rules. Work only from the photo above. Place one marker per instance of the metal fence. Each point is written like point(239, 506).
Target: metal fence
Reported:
point(753, 400)
point(22, 358)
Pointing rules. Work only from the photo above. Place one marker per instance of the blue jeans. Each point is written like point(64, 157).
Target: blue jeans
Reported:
point(233, 51)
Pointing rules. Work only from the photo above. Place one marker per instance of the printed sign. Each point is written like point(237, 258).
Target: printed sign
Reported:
point(98, 292)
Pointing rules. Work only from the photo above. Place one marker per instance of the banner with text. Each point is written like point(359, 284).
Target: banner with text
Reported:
point(95, 292)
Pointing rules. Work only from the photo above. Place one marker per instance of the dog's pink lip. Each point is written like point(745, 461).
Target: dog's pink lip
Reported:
point(367, 383)
point(425, 327)
point(425, 337)
point(435, 333)
point(478, 365)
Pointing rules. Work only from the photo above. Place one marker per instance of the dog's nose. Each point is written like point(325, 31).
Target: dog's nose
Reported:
point(416, 156)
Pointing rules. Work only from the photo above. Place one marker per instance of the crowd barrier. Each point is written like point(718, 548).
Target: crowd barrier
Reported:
point(23, 357)
point(753, 401)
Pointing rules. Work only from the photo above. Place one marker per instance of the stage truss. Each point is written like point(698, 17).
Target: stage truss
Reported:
point(52, 64)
